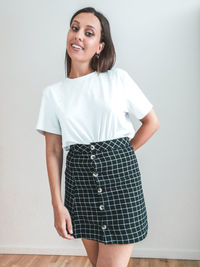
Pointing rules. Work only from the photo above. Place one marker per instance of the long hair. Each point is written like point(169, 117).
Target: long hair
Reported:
point(107, 57)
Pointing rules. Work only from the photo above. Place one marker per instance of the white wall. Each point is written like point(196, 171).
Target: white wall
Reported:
point(157, 42)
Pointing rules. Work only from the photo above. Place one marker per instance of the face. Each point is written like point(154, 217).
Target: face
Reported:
point(84, 31)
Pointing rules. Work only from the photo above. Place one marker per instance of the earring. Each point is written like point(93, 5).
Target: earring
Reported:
point(97, 56)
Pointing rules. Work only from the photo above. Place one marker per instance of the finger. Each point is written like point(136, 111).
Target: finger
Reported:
point(69, 225)
point(65, 235)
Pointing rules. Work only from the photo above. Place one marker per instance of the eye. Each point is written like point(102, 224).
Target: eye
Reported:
point(90, 33)
point(74, 27)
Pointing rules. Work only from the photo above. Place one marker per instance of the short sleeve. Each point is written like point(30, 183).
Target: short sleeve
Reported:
point(47, 119)
point(136, 102)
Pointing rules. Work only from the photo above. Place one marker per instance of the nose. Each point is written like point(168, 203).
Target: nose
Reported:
point(79, 35)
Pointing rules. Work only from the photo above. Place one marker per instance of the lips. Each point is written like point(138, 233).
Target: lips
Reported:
point(77, 44)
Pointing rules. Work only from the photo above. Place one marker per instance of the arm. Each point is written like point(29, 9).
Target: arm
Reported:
point(150, 125)
point(54, 160)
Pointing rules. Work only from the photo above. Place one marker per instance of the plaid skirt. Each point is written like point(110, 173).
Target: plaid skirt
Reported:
point(103, 192)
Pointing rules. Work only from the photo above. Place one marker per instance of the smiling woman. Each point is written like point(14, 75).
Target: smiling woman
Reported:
point(91, 109)
point(89, 41)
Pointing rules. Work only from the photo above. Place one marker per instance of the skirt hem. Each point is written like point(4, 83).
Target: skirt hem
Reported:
point(130, 241)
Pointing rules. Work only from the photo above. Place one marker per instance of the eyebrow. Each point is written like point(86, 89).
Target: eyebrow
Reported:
point(86, 25)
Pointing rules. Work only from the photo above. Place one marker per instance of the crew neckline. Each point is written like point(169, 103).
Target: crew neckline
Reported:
point(82, 77)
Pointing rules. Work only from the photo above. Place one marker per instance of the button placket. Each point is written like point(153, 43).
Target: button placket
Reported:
point(99, 190)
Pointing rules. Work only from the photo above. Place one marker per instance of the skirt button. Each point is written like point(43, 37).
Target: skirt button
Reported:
point(92, 147)
point(104, 227)
point(101, 207)
point(92, 156)
point(99, 190)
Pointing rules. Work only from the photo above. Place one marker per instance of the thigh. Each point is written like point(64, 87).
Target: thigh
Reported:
point(114, 255)
point(91, 247)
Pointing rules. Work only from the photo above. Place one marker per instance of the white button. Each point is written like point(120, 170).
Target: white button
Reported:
point(103, 227)
point(99, 190)
point(101, 207)
point(95, 174)
point(92, 156)
point(92, 147)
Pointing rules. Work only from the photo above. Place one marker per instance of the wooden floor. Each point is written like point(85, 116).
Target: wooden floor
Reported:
point(20, 260)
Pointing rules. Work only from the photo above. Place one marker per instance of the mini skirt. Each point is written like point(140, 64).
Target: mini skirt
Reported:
point(103, 192)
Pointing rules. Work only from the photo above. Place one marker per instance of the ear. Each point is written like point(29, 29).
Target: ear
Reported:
point(101, 46)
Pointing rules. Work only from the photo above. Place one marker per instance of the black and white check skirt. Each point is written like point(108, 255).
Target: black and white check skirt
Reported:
point(103, 192)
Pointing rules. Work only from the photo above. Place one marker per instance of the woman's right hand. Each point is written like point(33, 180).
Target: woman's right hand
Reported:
point(61, 218)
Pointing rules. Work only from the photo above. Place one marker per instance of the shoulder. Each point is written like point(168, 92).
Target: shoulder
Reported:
point(116, 70)
point(119, 72)
point(119, 76)
point(125, 79)
point(122, 77)
point(51, 90)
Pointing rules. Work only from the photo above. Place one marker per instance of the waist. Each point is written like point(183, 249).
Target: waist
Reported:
point(111, 144)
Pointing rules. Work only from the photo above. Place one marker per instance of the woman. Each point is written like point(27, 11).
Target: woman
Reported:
point(89, 114)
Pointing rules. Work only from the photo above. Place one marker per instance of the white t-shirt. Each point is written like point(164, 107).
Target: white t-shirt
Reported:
point(91, 108)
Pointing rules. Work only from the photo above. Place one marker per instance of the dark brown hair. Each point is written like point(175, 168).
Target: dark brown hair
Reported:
point(107, 56)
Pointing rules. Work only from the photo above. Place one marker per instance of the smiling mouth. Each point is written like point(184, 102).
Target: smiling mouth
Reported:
point(76, 47)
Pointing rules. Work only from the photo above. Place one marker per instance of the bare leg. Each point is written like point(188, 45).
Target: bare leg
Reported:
point(114, 255)
point(92, 248)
